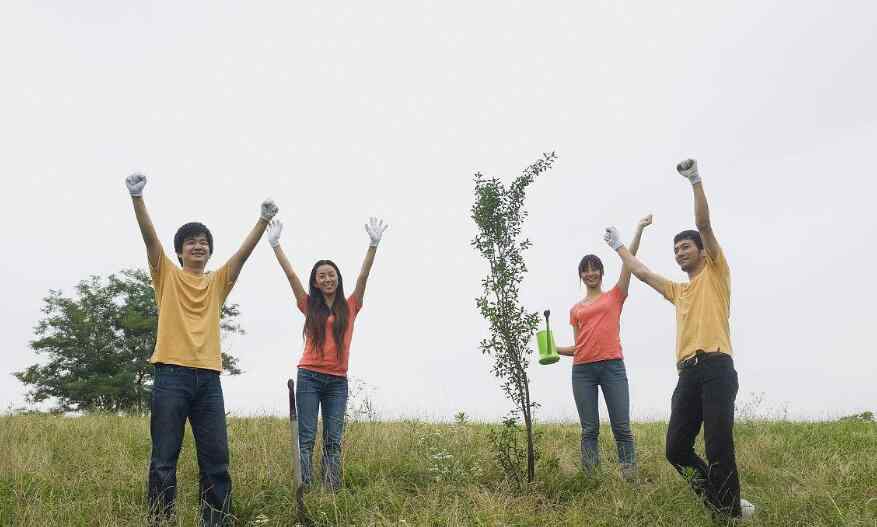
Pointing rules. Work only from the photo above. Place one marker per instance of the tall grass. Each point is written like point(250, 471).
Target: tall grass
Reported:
point(91, 471)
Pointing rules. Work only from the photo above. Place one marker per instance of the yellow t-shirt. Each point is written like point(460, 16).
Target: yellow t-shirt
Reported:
point(189, 309)
point(703, 307)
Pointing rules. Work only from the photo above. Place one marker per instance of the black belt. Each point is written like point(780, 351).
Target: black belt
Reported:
point(698, 357)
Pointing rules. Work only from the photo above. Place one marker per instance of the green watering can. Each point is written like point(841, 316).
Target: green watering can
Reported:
point(545, 341)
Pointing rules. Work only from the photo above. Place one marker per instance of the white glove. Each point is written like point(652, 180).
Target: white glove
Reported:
point(135, 183)
point(612, 238)
point(269, 209)
point(274, 230)
point(688, 169)
point(375, 229)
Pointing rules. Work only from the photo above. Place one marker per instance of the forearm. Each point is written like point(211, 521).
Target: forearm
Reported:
point(251, 241)
point(294, 281)
point(568, 351)
point(632, 263)
point(701, 208)
point(147, 231)
point(366, 268)
point(634, 243)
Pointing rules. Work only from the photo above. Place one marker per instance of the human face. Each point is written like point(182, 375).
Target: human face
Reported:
point(688, 256)
point(326, 279)
point(196, 251)
point(592, 277)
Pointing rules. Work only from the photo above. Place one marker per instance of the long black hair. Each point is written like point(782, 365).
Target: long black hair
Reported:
point(318, 312)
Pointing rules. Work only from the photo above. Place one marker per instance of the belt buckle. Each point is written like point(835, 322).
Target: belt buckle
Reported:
point(689, 362)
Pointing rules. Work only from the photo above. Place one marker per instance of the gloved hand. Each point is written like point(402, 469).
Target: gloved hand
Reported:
point(375, 229)
point(612, 238)
point(688, 169)
point(269, 209)
point(135, 183)
point(274, 230)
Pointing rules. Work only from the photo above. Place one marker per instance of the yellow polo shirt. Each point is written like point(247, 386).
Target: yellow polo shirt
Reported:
point(189, 309)
point(703, 309)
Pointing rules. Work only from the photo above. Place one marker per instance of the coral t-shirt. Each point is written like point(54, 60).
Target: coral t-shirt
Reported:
point(597, 324)
point(328, 362)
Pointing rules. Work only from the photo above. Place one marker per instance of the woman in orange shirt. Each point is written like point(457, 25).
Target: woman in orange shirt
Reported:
point(322, 370)
point(598, 360)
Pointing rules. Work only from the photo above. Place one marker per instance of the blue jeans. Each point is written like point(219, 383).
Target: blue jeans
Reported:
point(313, 390)
point(181, 393)
point(611, 377)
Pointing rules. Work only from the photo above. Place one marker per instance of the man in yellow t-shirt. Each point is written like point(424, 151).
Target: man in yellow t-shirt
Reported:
point(707, 385)
point(188, 359)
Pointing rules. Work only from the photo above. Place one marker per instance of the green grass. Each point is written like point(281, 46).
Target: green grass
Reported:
point(91, 471)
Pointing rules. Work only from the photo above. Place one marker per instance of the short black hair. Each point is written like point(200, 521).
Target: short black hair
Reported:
point(590, 260)
point(190, 230)
point(689, 235)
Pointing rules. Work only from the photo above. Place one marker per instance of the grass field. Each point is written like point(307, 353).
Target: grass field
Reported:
point(91, 471)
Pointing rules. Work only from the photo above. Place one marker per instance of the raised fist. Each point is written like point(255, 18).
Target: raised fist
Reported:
point(135, 183)
point(269, 209)
point(612, 238)
point(688, 169)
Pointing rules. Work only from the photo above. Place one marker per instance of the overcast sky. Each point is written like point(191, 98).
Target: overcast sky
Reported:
point(341, 112)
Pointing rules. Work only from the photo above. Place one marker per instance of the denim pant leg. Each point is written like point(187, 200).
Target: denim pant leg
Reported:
point(171, 399)
point(584, 390)
point(307, 401)
point(719, 393)
point(211, 441)
point(334, 403)
point(686, 417)
point(616, 391)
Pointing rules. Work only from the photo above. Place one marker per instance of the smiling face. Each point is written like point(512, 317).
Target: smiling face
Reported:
point(592, 277)
point(689, 257)
point(326, 279)
point(195, 251)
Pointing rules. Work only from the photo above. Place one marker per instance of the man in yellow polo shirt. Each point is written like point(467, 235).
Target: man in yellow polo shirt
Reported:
point(707, 385)
point(188, 360)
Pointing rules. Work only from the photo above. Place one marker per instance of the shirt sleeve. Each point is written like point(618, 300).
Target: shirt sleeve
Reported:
point(159, 275)
point(719, 264)
point(671, 291)
point(223, 281)
point(303, 305)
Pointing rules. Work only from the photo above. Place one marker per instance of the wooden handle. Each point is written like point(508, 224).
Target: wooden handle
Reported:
point(293, 416)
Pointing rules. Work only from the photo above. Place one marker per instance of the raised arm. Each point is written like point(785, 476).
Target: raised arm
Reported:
point(236, 262)
point(135, 184)
point(624, 280)
point(688, 169)
point(636, 267)
point(375, 229)
point(274, 231)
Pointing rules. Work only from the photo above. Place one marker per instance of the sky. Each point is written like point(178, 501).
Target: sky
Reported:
point(348, 110)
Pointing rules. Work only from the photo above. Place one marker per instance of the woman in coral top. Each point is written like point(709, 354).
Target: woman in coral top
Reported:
point(322, 370)
point(598, 360)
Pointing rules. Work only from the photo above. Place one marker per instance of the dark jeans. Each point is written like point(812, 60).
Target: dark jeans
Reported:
point(705, 395)
point(611, 377)
point(314, 390)
point(181, 393)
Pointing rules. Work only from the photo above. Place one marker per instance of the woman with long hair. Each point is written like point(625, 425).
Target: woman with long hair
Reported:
point(599, 362)
point(322, 371)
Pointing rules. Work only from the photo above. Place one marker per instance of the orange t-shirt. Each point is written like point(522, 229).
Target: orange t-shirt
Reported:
point(328, 362)
point(597, 326)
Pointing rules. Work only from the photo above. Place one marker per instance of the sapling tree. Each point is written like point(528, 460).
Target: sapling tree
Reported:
point(499, 214)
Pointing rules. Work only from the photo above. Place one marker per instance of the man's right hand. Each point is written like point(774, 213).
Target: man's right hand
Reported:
point(135, 183)
point(274, 230)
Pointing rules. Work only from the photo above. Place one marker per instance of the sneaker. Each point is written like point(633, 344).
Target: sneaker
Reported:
point(747, 509)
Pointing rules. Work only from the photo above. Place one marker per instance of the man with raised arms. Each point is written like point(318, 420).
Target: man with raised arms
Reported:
point(188, 360)
point(707, 385)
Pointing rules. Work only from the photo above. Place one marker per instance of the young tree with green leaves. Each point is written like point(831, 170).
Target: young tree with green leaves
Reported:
point(499, 214)
point(99, 342)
